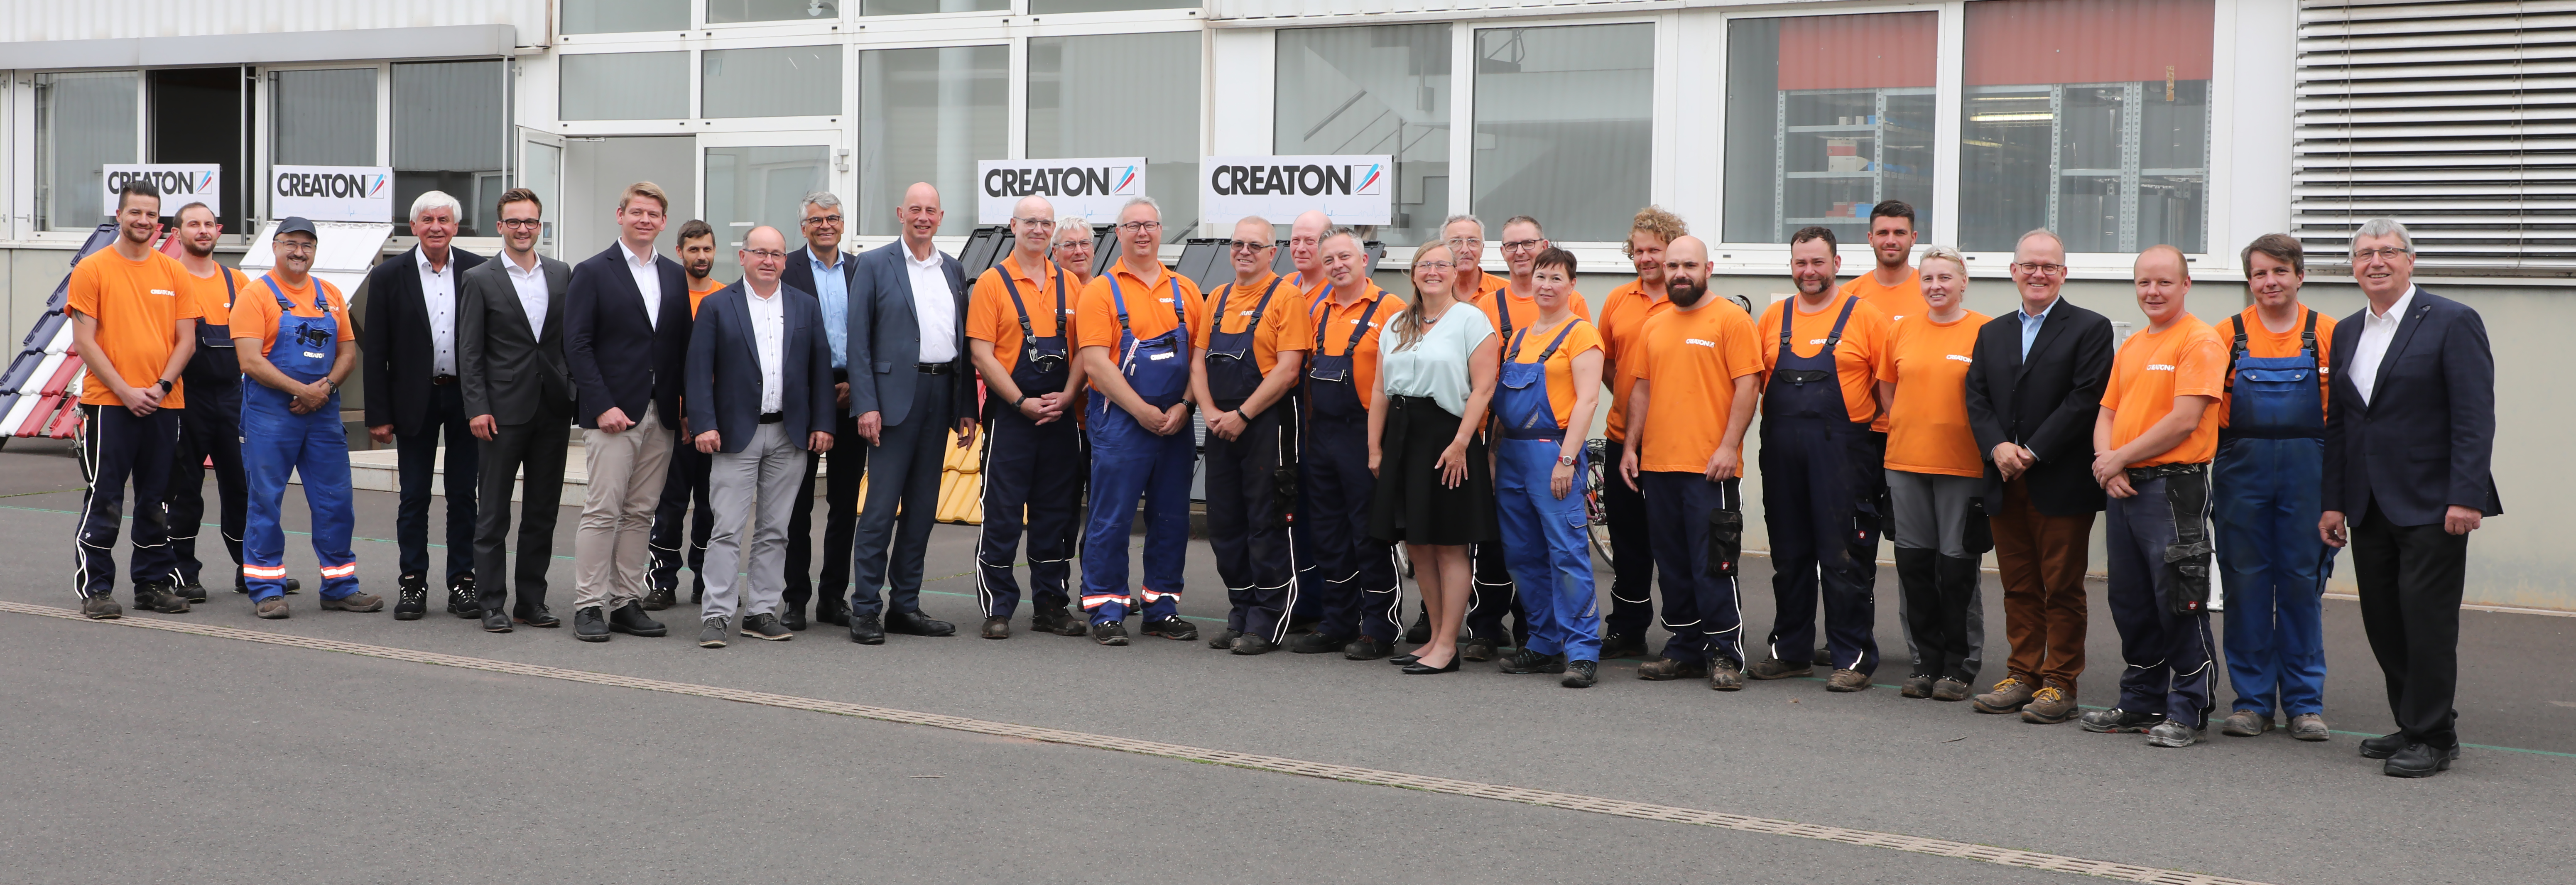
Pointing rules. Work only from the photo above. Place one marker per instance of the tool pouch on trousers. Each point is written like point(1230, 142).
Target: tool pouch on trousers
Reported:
point(2187, 558)
point(1283, 479)
point(1725, 542)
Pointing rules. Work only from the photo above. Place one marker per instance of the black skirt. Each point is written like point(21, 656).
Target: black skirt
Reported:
point(1411, 504)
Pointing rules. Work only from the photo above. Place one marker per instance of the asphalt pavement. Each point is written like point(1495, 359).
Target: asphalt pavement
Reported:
point(141, 756)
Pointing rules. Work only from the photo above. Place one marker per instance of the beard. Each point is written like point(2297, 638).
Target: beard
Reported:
point(700, 273)
point(194, 252)
point(1685, 292)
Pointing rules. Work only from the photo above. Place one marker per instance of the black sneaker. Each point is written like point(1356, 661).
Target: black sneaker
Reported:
point(1479, 649)
point(1367, 648)
point(1581, 674)
point(193, 592)
point(411, 598)
point(1318, 643)
point(2118, 721)
point(157, 597)
point(1109, 632)
point(1171, 627)
point(463, 600)
point(713, 634)
point(101, 608)
point(766, 626)
point(1224, 639)
point(1620, 645)
point(1248, 644)
point(662, 598)
point(1527, 661)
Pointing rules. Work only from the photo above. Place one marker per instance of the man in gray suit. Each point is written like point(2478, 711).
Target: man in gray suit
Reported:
point(759, 397)
point(909, 383)
point(518, 402)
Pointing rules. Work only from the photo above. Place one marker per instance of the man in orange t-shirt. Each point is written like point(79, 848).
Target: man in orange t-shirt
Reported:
point(1624, 313)
point(1133, 330)
point(1353, 575)
point(1243, 362)
point(1895, 289)
point(1018, 316)
point(1690, 396)
point(134, 334)
point(687, 481)
point(1821, 469)
point(2154, 438)
point(296, 348)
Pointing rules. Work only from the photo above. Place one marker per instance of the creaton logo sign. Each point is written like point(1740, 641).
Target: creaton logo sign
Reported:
point(1094, 188)
point(1352, 189)
point(332, 193)
point(180, 184)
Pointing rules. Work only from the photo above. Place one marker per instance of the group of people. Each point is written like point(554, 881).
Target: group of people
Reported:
point(1340, 420)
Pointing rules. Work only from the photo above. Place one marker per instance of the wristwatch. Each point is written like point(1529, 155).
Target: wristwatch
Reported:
point(335, 387)
point(1022, 402)
point(1565, 460)
point(165, 386)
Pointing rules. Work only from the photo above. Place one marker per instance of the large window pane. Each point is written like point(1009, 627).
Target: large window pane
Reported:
point(751, 186)
point(2088, 117)
point(1373, 90)
point(83, 121)
point(787, 81)
point(1826, 116)
point(624, 16)
point(323, 118)
point(195, 116)
point(1122, 95)
point(624, 86)
point(922, 7)
point(929, 115)
point(451, 133)
point(1051, 7)
point(1563, 117)
point(723, 11)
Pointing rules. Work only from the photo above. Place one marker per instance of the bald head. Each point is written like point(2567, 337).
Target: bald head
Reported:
point(764, 257)
point(1304, 234)
point(920, 217)
point(2164, 259)
point(1686, 272)
point(1032, 228)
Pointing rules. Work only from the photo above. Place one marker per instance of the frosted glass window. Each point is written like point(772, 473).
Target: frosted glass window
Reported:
point(748, 187)
point(1123, 95)
point(786, 81)
point(1563, 119)
point(624, 86)
point(929, 115)
point(1381, 89)
point(84, 121)
point(624, 16)
point(323, 118)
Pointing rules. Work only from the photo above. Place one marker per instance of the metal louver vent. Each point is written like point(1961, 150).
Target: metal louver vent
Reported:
point(2456, 118)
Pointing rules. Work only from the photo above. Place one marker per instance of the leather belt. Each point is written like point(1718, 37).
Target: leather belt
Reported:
point(936, 368)
point(772, 417)
point(442, 380)
point(2160, 471)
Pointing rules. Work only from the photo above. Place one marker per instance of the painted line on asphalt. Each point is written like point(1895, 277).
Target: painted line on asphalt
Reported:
point(1276, 764)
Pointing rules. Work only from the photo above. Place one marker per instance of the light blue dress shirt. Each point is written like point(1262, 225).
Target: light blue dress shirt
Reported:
point(2030, 324)
point(834, 292)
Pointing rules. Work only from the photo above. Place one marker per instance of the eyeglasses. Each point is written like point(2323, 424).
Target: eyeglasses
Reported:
point(822, 219)
point(521, 222)
point(1433, 265)
point(1520, 245)
point(1249, 245)
point(2042, 270)
point(766, 254)
point(1463, 243)
point(292, 246)
point(1138, 226)
point(1039, 223)
point(2383, 253)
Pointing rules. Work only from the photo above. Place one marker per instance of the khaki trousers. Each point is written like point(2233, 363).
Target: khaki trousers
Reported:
point(612, 549)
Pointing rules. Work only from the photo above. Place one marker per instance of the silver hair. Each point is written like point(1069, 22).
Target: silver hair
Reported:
point(436, 200)
point(1339, 230)
point(1065, 228)
point(2386, 227)
point(1951, 255)
point(824, 199)
point(2041, 232)
point(1145, 201)
point(1470, 219)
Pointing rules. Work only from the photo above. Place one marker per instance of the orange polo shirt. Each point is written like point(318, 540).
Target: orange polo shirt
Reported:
point(1855, 357)
point(1928, 419)
point(1560, 365)
point(1149, 308)
point(2261, 343)
point(990, 315)
point(700, 289)
point(1284, 325)
point(1693, 357)
point(1333, 324)
point(1623, 322)
point(138, 305)
point(2186, 359)
point(256, 316)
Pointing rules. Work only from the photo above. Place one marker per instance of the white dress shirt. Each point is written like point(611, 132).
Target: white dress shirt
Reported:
point(648, 280)
point(438, 293)
point(768, 336)
point(533, 294)
point(2377, 332)
point(934, 306)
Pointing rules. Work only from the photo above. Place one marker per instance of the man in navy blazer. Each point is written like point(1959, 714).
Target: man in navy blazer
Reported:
point(821, 270)
point(909, 383)
point(410, 357)
point(760, 398)
point(2410, 437)
point(626, 340)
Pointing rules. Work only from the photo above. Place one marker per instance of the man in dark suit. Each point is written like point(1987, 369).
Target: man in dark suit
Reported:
point(626, 342)
point(2410, 437)
point(820, 270)
point(2034, 388)
point(910, 382)
point(408, 348)
point(760, 399)
point(518, 399)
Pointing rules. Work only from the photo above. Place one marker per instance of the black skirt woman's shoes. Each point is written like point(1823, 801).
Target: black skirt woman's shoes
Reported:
point(1417, 668)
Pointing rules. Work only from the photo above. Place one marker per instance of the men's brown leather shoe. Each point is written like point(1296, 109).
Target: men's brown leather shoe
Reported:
point(1847, 680)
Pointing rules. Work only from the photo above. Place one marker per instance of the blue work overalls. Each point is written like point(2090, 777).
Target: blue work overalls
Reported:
point(2269, 470)
point(1128, 460)
point(276, 441)
point(1816, 503)
point(1029, 465)
point(1545, 538)
point(1356, 579)
point(1247, 510)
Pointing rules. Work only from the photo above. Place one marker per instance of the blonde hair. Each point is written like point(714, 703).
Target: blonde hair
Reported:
point(648, 190)
point(1948, 254)
point(1654, 221)
point(1407, 324)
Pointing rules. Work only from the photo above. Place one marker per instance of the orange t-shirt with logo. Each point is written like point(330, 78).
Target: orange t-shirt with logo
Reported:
point(990, 315)
point(1693, 357)
point(255, 313)
point(1560, 365)
point(1284, 325)
point(2261, 343)
point(1623, 323)
point(1855, 357)
point(1149, 309)
point(2186, 359)
point(215, 306)
point(699, 290)
point(1899, 301)
point(1928, 419)
point(1333, 324)
point(138, 306)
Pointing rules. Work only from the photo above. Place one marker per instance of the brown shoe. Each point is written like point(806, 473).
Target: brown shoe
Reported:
point(997, 628)
point(355, 602)
point(2309, 727)
point(1661, 669)
point(1775, 668)
point(273, 608)
point(2246, 724)
point(2048, 706)
point(1949, 690)
point(1915, 686)
point(1723, 676)
point(1847, 680)
point(2008, 697)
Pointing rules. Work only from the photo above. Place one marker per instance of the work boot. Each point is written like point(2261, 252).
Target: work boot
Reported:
point(2171, 733)
point(997, 628)
point(1661, 669)
point(273, 608)
point(1224, 639)
point(101, 608)
point(2246, 724)
point(1621, 645)
point(1723, 675)
point(1420, 632)
point(2119, 721)
point(193, 592)
point(1581, 674)
point(1316, 642)
point(1527, 661)
point(1109, 633)
point(1051, 620)
point(1847, 681)
point(665, 597)
point(1174, 628)
point(1949, 690)
point(1915, 686)
point(411, 598)
point(2009, 696)
point(463, 600)
point(156, 596)
point(1479, 649)
point(2309, 727)
point(1775, 668)
point(1367, 648)
point(357, 602)
point(1248, 644)
point(2048, 706)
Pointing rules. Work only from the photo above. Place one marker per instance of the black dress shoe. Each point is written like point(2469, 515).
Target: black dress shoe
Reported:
point(2383, 746)
point(793, 618)
point(495, 622)
point(411, 597)
point(918, 624)
point(630, 619)
point(1366, 648)
point(589, 626)
point(537, 616)
point(832, 611)
point(866, 630)
point(1418, 668)
point(2421, 760)
point(462, 599)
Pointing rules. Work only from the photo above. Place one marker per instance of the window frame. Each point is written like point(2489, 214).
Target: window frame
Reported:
point(18, 156)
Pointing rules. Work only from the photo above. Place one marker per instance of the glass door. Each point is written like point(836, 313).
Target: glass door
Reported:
point(541, 171)
point(758, 179)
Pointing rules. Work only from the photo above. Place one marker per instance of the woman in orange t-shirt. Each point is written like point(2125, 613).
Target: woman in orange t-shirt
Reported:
point(1933, 478)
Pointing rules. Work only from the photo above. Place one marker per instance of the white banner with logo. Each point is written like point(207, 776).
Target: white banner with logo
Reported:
point(1351, 188)
point(332, 193)
point(1093, 187)
point(180, 184)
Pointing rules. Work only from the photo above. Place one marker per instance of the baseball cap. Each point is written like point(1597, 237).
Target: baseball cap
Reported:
point(295, 224)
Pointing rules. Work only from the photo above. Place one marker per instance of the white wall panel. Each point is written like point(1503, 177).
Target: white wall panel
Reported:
point(117, 19)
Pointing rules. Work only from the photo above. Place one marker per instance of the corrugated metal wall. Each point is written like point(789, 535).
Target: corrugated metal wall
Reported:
point(112, 19)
